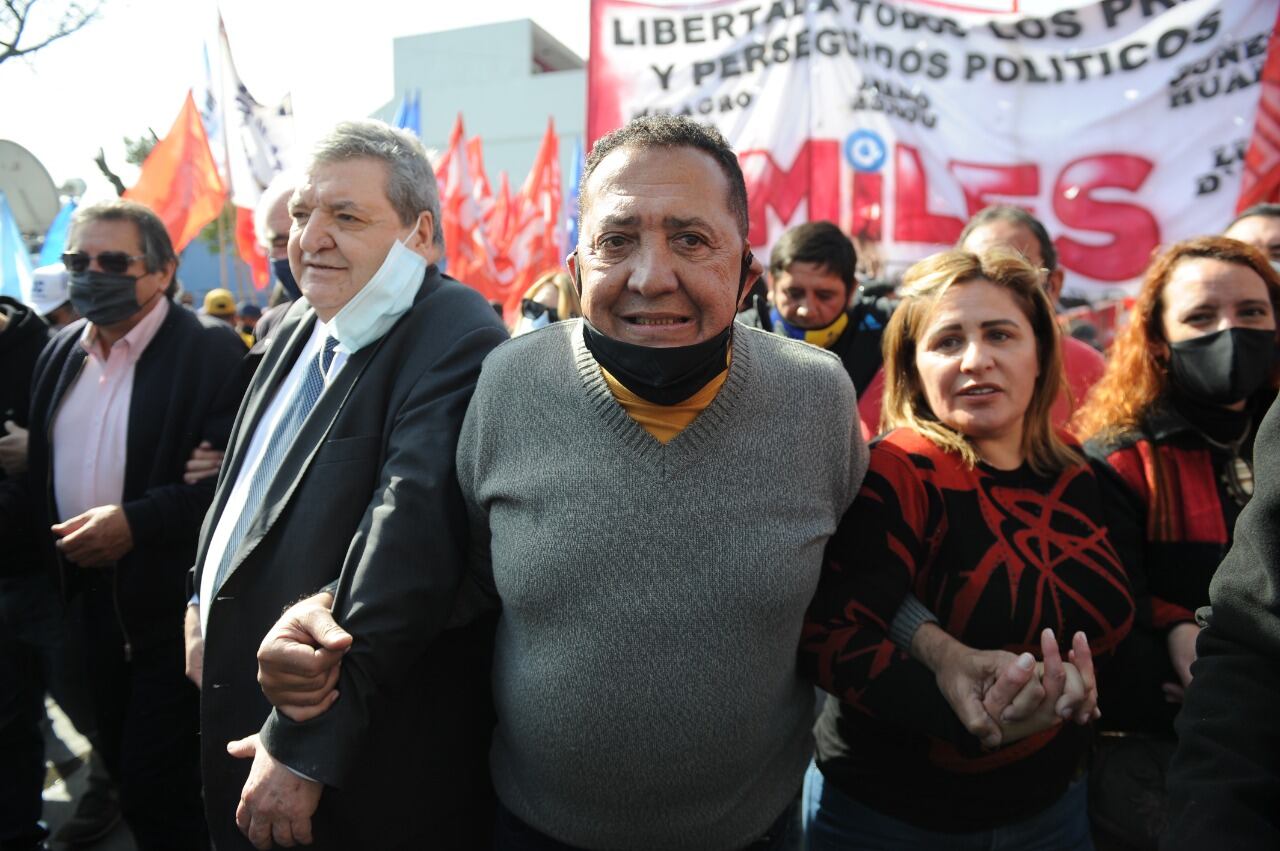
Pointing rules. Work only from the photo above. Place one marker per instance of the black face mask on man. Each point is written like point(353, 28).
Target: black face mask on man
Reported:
point(280, 268)
point(1224, 367)
point(662, 375)
point(101, 298)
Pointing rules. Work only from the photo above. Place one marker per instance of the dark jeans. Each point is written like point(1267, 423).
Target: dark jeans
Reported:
point(835, 821)
point(30, 635)
point(147, 715)
point(511, 834)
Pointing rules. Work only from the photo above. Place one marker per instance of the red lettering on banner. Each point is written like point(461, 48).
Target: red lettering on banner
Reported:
point(868, 205)
point(912, 221)
point(814, 175)
point(1134, 231)
point(980, 181)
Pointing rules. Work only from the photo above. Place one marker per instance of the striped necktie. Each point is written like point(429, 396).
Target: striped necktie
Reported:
point(277, 446)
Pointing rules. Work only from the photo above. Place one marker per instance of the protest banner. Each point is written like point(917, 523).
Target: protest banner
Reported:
point(1122, 124)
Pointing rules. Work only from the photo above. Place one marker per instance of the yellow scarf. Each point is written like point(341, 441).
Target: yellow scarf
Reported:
point(823, 338)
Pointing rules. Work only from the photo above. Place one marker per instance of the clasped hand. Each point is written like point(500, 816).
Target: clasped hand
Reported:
point(299, 659)
point(1001, 697)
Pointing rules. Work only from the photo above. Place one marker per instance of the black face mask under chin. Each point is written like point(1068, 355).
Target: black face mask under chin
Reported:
point(662, 375)
point(1224, 367)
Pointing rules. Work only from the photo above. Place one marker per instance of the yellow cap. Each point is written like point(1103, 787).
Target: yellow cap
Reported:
point(219, 302)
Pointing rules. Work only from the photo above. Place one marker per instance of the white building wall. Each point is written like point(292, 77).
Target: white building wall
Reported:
point(488, 74)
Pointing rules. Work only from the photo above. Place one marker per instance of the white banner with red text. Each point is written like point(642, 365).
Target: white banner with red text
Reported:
point(1122, 124)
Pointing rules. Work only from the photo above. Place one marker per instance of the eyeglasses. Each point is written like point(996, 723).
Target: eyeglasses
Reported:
point(111, 262)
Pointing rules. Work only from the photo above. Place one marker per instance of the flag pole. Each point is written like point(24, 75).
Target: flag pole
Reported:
point(224, 55)
point(222, 252)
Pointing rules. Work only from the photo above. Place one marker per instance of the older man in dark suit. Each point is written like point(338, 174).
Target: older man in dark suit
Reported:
point(340, 476)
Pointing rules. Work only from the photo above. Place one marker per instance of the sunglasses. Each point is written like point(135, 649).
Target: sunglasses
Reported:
point(535, 309)
point(111, 262)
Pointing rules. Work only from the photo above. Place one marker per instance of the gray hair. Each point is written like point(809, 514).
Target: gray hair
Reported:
point(157, 248)
point(411, 184)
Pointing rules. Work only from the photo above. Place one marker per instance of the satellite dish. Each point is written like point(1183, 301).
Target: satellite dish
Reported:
point(27, 186)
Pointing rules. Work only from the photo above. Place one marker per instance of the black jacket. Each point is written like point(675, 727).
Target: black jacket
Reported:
point(1171, 538)
point(366, 496)
point(1224, 783)
point(21, 342)
point(186, 387)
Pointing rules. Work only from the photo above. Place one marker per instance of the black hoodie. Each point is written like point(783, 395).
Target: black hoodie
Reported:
point(21, 340)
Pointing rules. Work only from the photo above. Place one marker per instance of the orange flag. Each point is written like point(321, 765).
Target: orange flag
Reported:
point(179, 180)
point(535, 221)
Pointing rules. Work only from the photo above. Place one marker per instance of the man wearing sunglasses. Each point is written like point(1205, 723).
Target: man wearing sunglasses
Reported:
point(119, 401)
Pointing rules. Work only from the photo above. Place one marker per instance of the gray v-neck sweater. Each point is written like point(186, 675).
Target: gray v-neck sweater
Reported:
point(652, 596)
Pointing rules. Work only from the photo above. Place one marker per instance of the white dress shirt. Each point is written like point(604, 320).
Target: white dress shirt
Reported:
point(253, 458)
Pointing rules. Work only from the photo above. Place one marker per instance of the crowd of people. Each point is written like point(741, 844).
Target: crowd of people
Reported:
point(572, 585)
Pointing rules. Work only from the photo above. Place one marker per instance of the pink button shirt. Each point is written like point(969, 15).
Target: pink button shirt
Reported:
point(91, 428)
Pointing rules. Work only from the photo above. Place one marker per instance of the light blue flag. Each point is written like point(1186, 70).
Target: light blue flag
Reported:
point(15, 260)
point(55, 241)
point(413, 120)
point(402, 111)
point(409, 113)
point(571, 198)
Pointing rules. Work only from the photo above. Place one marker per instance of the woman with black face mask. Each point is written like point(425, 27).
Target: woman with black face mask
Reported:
point(1170, 428)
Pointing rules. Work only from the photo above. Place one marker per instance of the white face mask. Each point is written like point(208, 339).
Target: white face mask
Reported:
point(524, 325)
point(384, 299)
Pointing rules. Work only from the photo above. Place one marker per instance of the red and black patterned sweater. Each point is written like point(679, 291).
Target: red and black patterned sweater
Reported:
point(1171, 512)
point(998, 556)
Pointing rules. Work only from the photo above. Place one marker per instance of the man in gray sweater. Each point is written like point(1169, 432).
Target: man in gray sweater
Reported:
point(653, 577)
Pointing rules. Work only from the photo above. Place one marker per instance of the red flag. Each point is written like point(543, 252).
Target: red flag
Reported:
point(467, 250)
point(535, 230)
point(497, 223)
point(250, 250)
point(444, 163)
point(479, 180)
point(497, 226)
point(179, 180)
point(1261, 179)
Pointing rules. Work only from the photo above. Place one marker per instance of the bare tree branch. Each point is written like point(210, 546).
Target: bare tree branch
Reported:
point(17, 17)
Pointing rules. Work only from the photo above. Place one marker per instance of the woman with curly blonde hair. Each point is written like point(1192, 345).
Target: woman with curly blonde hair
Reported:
point(1170, 428)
